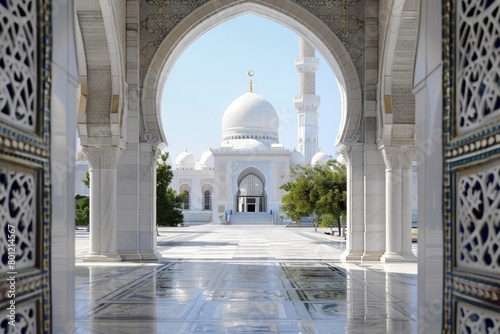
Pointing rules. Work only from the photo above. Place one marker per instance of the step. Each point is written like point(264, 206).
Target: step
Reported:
point(251, 218)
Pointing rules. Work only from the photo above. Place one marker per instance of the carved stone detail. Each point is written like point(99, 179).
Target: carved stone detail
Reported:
point(26, 318)
point(473, 319)
point(103, 157)
point(159, 17)
point(343, 17)
point(197, 216)
point(18, 204)
point(18, 69)
point(478, 209)
point(398, 157)
point(221, 182)
point(478, 70)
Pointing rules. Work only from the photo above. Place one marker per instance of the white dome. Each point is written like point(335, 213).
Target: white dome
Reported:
point(320, 158)
point(250, 116)
point(341, 159)
point(185, 160)
point(296, 159)
point(249, 144)
point(207, 160)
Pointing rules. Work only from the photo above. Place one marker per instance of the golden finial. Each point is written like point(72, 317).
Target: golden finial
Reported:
point(250, 74)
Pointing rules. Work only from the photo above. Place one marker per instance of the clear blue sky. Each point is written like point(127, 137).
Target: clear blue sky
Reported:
point(212, 72)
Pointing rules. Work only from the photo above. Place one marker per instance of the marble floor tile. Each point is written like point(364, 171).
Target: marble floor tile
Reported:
point(251, 279)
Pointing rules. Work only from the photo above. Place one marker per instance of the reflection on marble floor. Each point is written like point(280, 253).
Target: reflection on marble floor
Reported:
point(193, 293)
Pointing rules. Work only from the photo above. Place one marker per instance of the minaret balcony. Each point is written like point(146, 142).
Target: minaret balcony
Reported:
point(307, 64)
point(306, 102)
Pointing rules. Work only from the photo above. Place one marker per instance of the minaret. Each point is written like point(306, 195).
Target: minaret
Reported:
point(307, 102)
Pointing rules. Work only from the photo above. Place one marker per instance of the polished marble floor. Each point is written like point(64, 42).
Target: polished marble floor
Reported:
point(245, 279)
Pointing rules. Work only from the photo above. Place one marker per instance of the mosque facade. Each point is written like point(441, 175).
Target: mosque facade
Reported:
point(246, 172)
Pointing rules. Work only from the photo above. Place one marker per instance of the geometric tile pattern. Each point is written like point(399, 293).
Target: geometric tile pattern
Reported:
point(478, 63)
point(228, 279)
point(25, 184)
point(471, 133)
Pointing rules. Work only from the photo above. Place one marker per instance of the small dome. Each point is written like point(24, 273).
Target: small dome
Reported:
point(207, 160)
point(249, 144)
point(296, 159)
point(250, 116)
point(320, 158)
point(341, 159)
point(185, 160)
point(80, 155)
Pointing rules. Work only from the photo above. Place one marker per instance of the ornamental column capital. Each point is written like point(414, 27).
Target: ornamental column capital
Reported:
point(105, 157)
point(398, 157)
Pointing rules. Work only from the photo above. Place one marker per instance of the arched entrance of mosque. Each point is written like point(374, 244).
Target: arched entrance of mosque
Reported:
point(251, 195)
point(340, 60)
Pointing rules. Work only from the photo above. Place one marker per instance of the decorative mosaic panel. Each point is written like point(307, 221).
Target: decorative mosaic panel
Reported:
point(478, 63)
point(18, 63)
point(471, 138)
point(25, 86)
point(344, 18)
point(17, 218)
point(26, 320)
point(221, 181)
point(478, 220)
point(473, 319)
point(197, 216)
point(159, 17)
point(307, 83)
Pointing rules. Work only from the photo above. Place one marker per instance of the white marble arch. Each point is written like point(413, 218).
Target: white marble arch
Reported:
point(396, 123)
point(283, 12)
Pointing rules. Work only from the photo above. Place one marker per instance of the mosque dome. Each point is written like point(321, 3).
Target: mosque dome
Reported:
point(249, 144)
point(320, 158)
point(185, 160)
point(250, 116)
point(341, 159)
point(207, 160)
point(296, 159)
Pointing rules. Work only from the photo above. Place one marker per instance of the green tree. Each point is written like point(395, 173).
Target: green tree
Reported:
point(86, 180)
point(168, 202)
point(82, 210)
point(317, 190)
point(82, 205)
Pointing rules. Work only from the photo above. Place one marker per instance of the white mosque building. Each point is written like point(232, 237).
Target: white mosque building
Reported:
point(245, 173)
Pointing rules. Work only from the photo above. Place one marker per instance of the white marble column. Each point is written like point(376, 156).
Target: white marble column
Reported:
point(398, 161)
point(354, 157)
point(136, 227)
point(103, 163)
point(374, 204)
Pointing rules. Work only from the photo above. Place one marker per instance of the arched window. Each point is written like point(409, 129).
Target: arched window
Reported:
point(251, 185)
point(187, 199)
point(207, 190)
point(207, 200)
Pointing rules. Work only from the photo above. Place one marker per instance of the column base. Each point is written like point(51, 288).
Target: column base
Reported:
point(372, 256)
point(102, 257)
point(398, 257)
point(144, 256)
point(351, 256)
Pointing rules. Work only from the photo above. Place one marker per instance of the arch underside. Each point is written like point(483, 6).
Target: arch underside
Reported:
point(162, 47)
point(396, 99)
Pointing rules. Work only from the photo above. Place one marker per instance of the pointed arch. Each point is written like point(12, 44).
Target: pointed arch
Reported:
point(292, 16)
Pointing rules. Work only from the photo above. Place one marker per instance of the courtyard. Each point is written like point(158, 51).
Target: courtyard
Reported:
point(245, 279)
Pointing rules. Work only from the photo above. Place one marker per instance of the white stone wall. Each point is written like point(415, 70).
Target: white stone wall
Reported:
point(429, 121)
point(65, 82)
point(196, 179)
